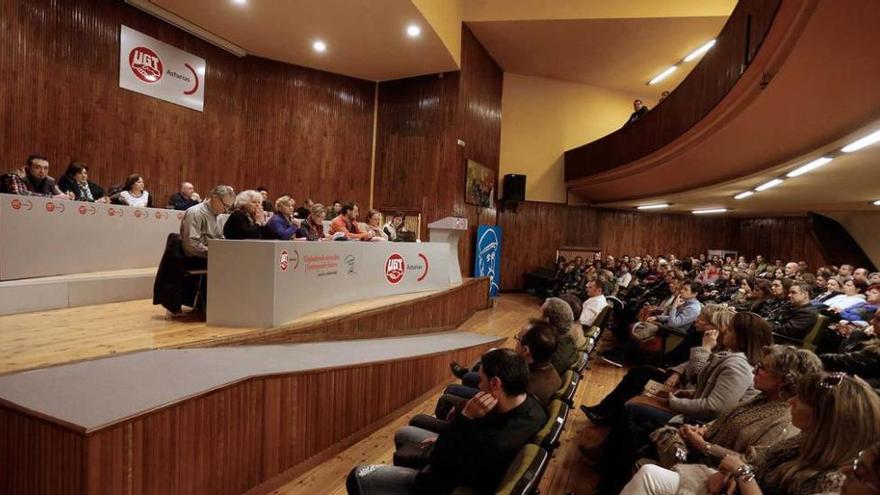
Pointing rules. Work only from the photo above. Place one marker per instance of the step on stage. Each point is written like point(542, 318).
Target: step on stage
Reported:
point(36, 340)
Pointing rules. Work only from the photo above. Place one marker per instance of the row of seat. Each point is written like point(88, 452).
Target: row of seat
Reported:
point(525, 472)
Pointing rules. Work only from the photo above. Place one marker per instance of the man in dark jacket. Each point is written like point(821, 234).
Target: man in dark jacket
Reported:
point(185, 198)
point(639, 111)
point(797, 321)
point(480, 442)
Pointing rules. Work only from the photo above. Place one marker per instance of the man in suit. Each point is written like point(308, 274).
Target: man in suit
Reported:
point(797, 321)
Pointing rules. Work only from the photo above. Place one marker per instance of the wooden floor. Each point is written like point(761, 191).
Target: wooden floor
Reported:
point(566, 472)
point(46, 338)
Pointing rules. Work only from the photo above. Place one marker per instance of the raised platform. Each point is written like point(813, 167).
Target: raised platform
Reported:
point(220, 421)
point(70, 291)
point(36, 340)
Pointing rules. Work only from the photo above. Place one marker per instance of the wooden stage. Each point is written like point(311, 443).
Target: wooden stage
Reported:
point(48, 338)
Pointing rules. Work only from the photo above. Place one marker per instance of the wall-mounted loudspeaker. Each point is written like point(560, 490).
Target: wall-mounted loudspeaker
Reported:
point(514, 188)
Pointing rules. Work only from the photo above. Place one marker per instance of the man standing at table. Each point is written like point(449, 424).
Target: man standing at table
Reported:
point(347, 223)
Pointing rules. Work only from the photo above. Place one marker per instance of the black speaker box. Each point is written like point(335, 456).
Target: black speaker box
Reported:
point(514, 188)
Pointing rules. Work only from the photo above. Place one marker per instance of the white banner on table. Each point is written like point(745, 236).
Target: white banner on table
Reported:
point(153, 68)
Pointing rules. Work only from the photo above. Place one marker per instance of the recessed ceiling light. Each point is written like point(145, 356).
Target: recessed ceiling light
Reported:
point(319, 46)
point(413, 31)
point(861, 143)
point(813, 165)
point(744, 194)
point(652, 207)
point(239, 2)
point(877, 203)
point(663, 75)
point(768, 185)
point(710, 210)
point(699, 51)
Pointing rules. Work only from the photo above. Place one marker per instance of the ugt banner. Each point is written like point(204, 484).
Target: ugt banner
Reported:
point(153, 68)
point(487, 259)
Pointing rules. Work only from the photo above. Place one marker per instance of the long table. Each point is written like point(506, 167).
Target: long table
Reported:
point(41, 237)
point(270, 283)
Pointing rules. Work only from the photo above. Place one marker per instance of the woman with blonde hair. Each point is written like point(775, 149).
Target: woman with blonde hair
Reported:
point(282, 225)
point(746, 429)
point(838, 418)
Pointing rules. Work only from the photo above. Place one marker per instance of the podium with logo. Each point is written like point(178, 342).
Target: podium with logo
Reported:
point(270, 283)
point(448, 231)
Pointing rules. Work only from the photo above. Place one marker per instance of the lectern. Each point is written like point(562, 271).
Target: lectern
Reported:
point(449, 230)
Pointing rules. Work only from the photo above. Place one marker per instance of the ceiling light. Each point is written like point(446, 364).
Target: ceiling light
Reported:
point(239, 2)
point(877, 203)
point(319, 46)
point(744, 194)
point(663, 75)
point(710, 210)
point(699, 51)
point(813, 165)
point(652, 207)
point(413, 31)
point(768, 185)
point(861, 143)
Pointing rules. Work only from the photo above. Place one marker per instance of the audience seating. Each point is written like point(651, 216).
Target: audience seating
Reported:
point(523, 475)
point(811, 341)
point(548, 436)
point(570, 381)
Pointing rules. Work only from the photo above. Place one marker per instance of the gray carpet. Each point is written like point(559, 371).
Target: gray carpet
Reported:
point(94, 394)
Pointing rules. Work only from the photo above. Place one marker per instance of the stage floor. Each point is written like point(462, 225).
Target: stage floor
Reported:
point(37, 340)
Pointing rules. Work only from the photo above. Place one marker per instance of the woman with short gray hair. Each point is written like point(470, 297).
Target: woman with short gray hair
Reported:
point(558, 314)
point(248, 217)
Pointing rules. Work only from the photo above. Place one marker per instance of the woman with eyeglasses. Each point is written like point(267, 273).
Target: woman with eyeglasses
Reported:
point(863, 474)
point(745, 429)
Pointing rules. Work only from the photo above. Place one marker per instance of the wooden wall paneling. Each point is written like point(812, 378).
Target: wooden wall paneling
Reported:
point(261, 431)
point(418, 163)
point(289, 128)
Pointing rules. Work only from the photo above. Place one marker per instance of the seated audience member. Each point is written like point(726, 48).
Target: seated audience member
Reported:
point(797, 322)
point(305, 210)
point(577, 332)
point(200, 223)
point(837, 418)
point(479, 444)
point(833, 287)
point(135, 193)
point(853, 293)
point(313, 227)
point(713, 318)
point(558, 314)
point(874, 278)
point(744, 430)
point(75, 182)
point(282, 226)
point(639, 111)
point(862, 474)
point(777, 303)
point(32, 180)
point(346, 223)
point(663, 96)
point(185, 198)
point(536, 343)
point(247, 218)
point(859, 354)
point(374, 224)
point(725, 380)
point(624, 277)
point(845, 271)
point(393, 225)
point(594, 304)
point(266, 202)
point(858, 314)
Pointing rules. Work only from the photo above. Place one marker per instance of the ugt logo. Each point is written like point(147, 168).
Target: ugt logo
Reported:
point(145, 64)
point(394, 268)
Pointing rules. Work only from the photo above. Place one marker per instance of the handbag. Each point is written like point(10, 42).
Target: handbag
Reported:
point(644, 331)
point(670, 446)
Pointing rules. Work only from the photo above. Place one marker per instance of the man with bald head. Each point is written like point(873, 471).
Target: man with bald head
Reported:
point(791, 270)
point(185, 198)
